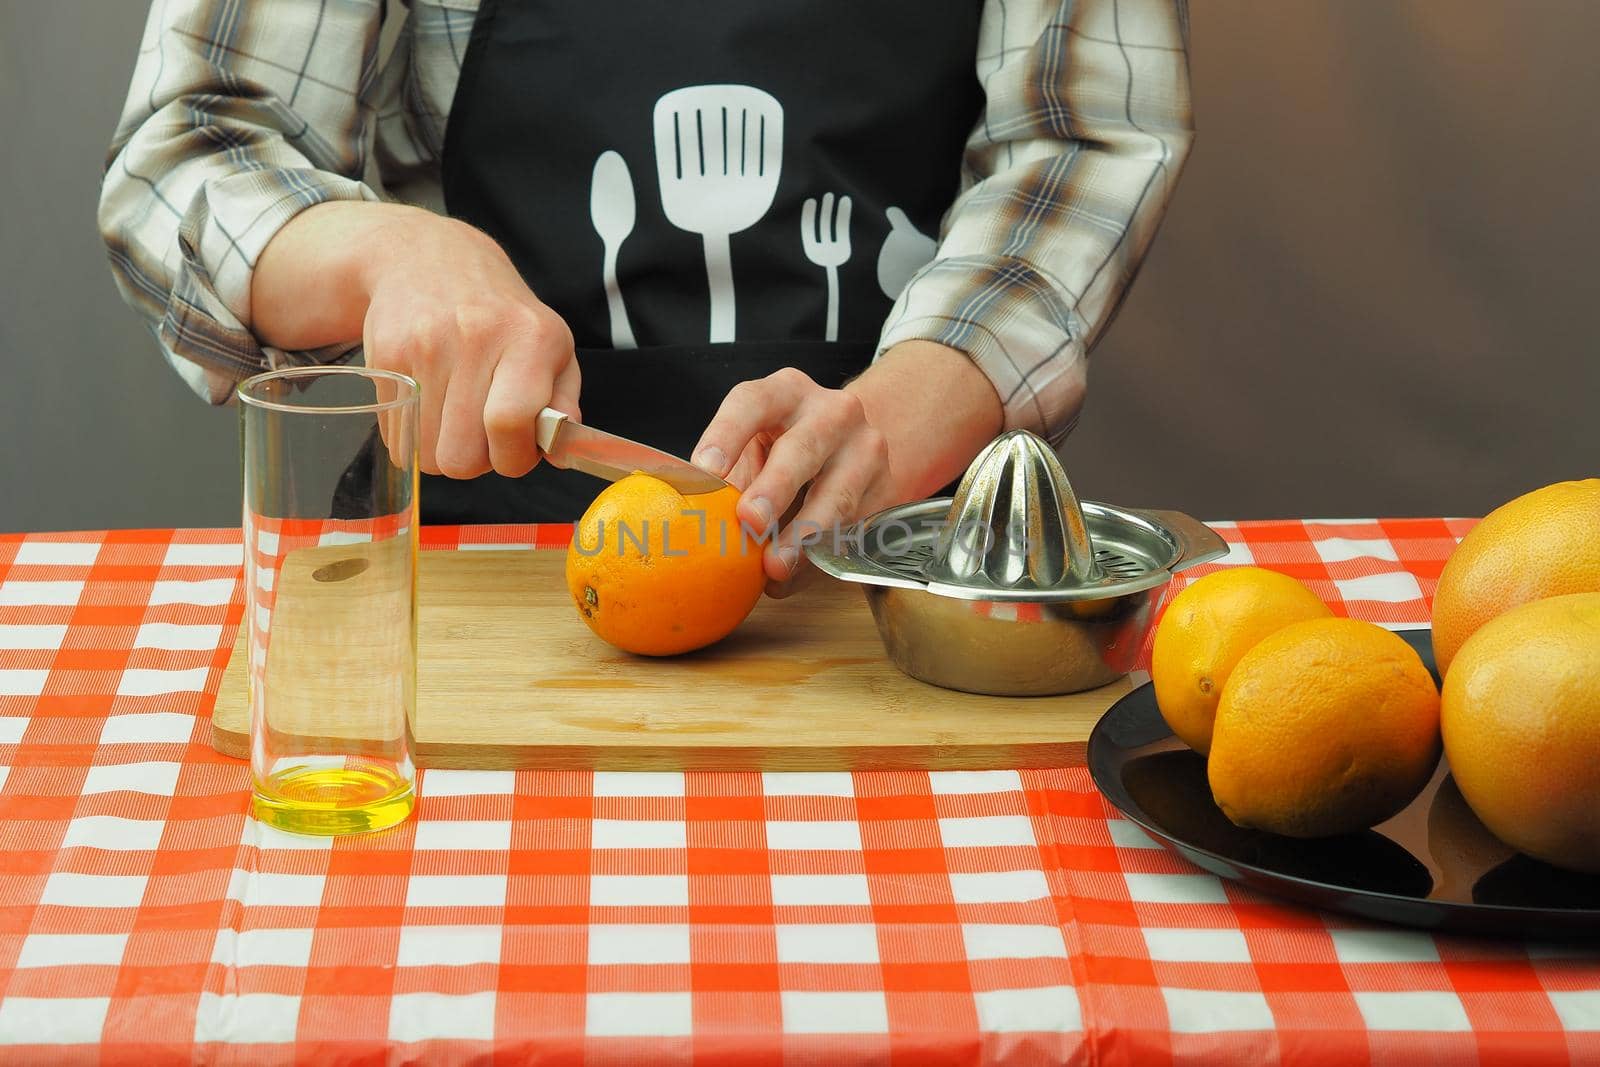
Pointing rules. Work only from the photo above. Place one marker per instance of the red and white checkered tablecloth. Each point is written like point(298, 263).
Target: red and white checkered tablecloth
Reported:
point(830, 918)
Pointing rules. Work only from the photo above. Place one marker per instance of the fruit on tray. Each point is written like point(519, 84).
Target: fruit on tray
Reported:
point(1542, 544)
point(1324, 727)
point(1520, 712)
point(1327, 726)
point(1205, 631)
point(657, 573)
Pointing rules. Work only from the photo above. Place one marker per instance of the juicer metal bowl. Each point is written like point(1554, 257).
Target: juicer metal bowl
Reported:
point(1013, 587)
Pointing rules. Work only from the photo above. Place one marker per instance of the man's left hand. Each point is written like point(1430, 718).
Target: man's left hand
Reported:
point(774, 437)
point(906, 426)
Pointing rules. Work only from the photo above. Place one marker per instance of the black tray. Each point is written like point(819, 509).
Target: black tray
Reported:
point(1434, 865)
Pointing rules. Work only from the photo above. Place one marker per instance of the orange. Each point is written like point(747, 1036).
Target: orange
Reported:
point(1544, 543)
point(1325, 727)
point(658, 573)
point(1206, 629)
point(1521, 718)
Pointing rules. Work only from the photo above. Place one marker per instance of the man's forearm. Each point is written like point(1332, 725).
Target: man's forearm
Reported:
point(935, 409)
point(1059, 203)
point(312, 283)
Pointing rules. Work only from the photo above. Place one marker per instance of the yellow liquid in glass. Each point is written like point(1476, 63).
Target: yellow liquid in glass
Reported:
point(334, 800)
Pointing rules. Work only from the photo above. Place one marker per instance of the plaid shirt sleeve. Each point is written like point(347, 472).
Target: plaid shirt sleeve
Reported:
point(1066, 177)
point(240, 116)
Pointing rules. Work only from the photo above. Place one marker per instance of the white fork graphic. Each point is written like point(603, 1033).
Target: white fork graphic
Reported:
point(826, 239)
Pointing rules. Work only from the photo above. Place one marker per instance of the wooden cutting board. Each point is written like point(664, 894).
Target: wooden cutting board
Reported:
point(509, 676)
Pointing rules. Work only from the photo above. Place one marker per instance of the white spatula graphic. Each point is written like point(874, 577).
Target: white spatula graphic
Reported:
point(611, 209)
point(718, 152)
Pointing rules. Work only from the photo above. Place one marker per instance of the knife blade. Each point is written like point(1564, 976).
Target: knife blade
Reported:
point(575, 446)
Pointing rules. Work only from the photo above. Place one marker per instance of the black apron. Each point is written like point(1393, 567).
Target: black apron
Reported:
point(647, 166)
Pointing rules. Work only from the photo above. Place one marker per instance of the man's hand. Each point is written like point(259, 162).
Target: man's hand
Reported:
point(432, 298)
point(905, 427)
point(774, 436)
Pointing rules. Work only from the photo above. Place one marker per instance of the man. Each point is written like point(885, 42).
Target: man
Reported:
point(711, 226)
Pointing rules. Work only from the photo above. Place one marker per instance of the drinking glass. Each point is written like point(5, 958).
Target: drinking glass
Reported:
point(330, 536)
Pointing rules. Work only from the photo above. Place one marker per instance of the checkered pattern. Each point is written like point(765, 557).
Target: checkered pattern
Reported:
point(995, 916)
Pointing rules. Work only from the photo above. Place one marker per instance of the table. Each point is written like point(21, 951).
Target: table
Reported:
point(996, 916)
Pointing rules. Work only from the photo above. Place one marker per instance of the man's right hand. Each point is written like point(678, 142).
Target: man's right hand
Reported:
point(432, 298)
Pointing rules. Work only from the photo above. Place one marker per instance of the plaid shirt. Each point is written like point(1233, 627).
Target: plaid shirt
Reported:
point(241, 115)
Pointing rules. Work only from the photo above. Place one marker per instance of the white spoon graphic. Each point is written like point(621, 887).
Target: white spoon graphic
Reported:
point(611, 209)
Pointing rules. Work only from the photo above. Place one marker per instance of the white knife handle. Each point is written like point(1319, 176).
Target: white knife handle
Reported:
point(549, 422)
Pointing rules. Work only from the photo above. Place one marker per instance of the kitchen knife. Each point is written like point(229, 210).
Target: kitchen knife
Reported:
point(583, 448)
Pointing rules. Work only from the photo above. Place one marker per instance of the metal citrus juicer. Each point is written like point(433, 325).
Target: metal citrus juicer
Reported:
point(1014, 587)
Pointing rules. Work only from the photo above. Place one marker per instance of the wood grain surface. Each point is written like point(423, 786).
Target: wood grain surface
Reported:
point(509, 676)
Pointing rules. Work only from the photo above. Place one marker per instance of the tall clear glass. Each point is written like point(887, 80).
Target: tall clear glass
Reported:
point(330, 535)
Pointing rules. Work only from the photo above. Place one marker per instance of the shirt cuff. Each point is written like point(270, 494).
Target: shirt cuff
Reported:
point(1012, 323)
point(223, 232)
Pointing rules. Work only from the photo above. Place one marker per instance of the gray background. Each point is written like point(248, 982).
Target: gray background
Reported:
point(1373, 293)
